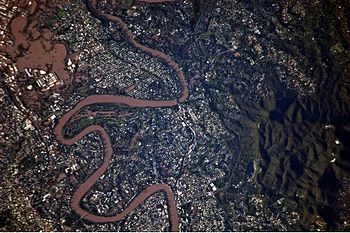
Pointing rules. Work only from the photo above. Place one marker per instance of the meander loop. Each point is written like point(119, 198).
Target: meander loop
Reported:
point(107, 145)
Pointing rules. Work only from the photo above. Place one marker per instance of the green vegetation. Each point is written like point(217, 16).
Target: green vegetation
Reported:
point(46, 24)
point(74, 127)
point(27, 163)
point(62, 13)
point(205, 35)
point(144, 75)
point(337, 49)
point(8, 221)
point(126, 4)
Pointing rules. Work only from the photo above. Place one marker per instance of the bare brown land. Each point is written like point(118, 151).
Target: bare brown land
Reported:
point(108, 152)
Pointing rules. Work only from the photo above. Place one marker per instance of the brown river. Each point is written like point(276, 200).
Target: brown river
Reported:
point(108, 151)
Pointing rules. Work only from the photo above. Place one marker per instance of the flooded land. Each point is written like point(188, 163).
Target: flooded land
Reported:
point(165, 115)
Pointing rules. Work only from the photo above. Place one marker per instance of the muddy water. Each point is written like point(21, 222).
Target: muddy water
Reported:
point(35, 49)
point(108, 152)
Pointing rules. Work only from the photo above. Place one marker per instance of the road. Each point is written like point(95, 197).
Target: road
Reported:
point(107, 146)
